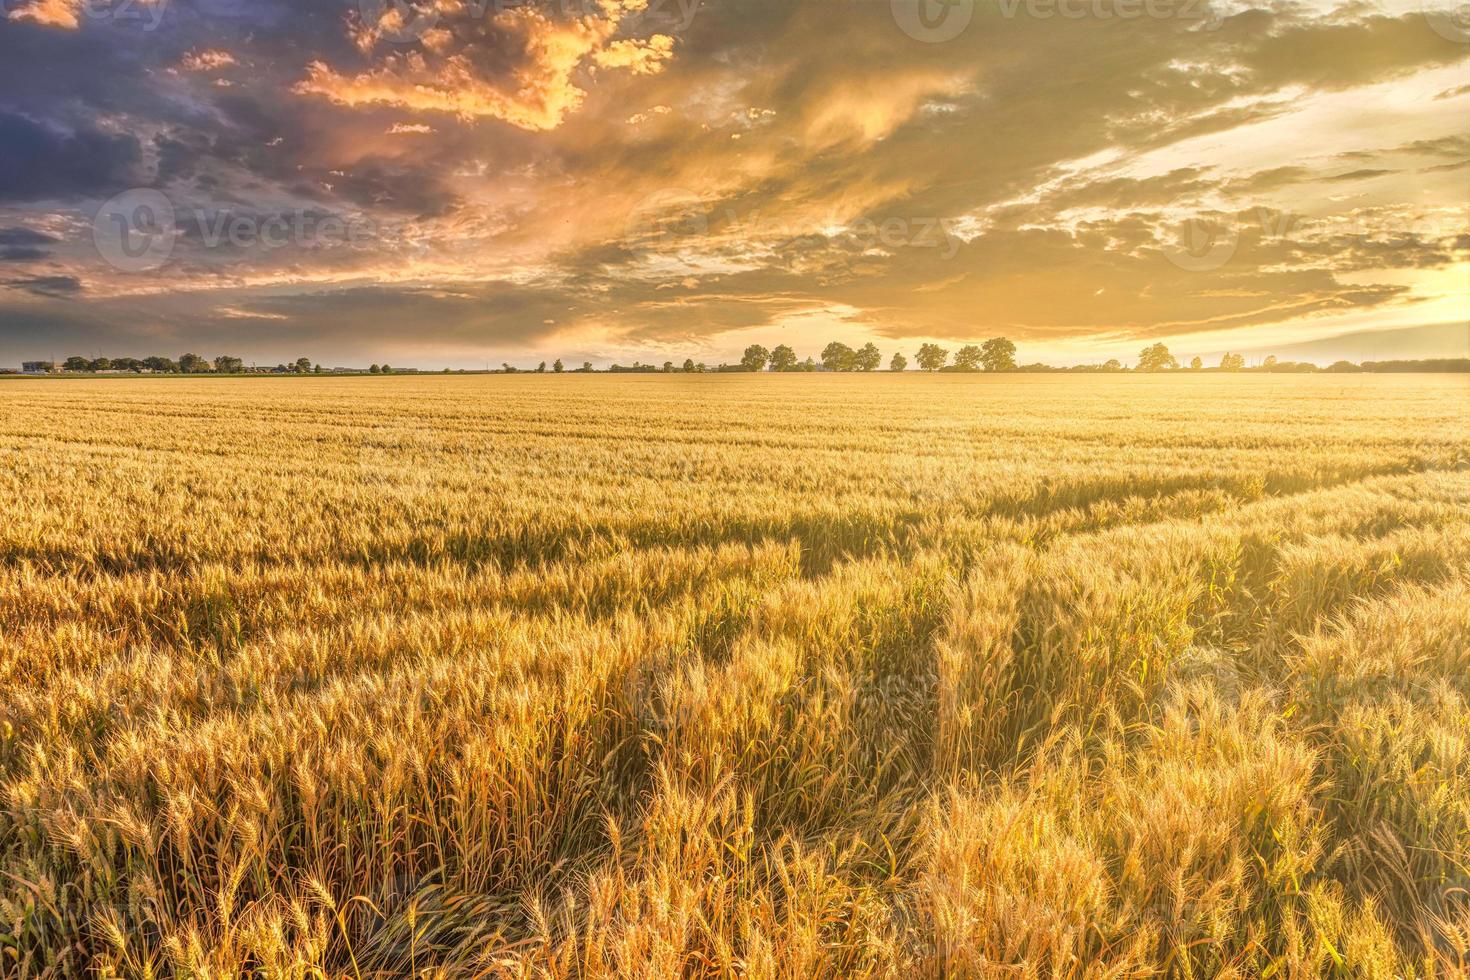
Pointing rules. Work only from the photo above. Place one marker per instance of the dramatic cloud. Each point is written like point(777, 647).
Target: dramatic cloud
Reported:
point(58, 286)
point(41, 161)
point(516, 66)
point(20, 237)
point(459, 181)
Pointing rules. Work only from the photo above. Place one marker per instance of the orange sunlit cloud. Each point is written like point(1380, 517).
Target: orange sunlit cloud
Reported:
point(611, 177)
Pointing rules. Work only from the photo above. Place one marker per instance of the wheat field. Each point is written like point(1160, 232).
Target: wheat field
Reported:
point(765, 676)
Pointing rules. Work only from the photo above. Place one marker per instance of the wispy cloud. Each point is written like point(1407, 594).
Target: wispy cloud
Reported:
point(476, 180)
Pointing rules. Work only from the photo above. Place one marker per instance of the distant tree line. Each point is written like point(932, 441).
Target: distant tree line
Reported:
point(1437, 365)
point(1157, 358)
point(187, 364)
point(998, 354)
point(994, 356)
point(224, 364)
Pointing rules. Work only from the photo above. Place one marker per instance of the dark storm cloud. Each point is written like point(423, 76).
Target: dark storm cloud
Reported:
point(40, 162)
point(53, 286)
point(22, 253)
point(24, 245)
point(521, 149)
point(400, 188)
point(20, 237)
point(349, 321)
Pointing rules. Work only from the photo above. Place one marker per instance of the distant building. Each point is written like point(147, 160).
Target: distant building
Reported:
point(37, 367)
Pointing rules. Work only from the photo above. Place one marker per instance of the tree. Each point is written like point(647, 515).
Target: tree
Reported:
point(838, 356)
point(1270, 361)
point(316, 369)
point(1113, 364)
point(1196, 364)
point(302, 365)
point(783, 358)
point(755, 358)
point(1342, 367)
point(1232, 362)
point(375, 370)
point(808, 365)
point(998, 354)
point(688, 365)
point(224, 364)
point(541, 368)
point(102, 364)
point(668, 367)
point(587, 367)
point(868, 357)
point(967, 358)
point(899, 363)
point(160, 365)
point(931, 357)
point(1156, 358)
point(76, 364)
point(557, 367)
point(387, 369)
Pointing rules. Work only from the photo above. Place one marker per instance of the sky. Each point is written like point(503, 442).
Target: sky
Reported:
point(465, 182)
